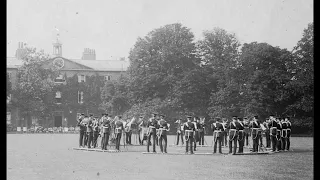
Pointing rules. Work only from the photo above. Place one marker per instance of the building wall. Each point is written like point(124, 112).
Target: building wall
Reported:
point(13, 79)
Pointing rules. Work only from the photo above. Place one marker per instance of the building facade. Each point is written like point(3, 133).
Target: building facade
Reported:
point(83, 68)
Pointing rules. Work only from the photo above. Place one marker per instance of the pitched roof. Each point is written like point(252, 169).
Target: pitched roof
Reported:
point(98, 65)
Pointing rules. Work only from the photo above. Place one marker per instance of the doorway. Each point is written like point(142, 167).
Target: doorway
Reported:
point(57, 121)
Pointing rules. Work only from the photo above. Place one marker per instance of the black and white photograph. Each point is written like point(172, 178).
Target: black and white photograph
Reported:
point(160, 90)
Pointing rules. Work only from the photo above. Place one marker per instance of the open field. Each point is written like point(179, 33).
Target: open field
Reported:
point(50, 156)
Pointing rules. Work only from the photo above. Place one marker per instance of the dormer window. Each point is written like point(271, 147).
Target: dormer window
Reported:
point(58, 97)
point(107, 78)
point(60, 79)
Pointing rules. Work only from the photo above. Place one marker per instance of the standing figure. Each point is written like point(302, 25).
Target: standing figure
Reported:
point(179, 131)
point(152, 126)
point(201, 132)
point(106, 129)
point(267, 132)
point(95, 132)
point(241, 135)
point(118, 131)
point(288, 133)
point(82, 129)
point(256, 133)
point(218, 128)
point(279, 134)
point(273, 132)
point(104, 116)
point(283, 134)
point(233, 134)
point(196, 122)
point(89, 131)
point(128, 132)
point(163, 128)
point(246, 130)
point(143, 131)
point(225, 133)
point(189, 129)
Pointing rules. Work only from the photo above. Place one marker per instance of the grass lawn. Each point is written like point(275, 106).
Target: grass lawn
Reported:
point(50, 156)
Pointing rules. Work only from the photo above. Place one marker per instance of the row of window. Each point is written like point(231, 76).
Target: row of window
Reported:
point(81, 78)
point(58, 97)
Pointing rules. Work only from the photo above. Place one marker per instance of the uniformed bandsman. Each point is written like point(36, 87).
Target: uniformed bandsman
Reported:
point(82, 129)
point(128, 132)
point(142, 130)
point(267, 133)
point(233, 134)
point(179, 131)
point(118, 131)
point(163, 128)
point(103, 117)
point(95, 127)
point(189, 129)
point(225, 133)
point(273, 132)
point(201, 132)
point(218, 128)
point(256, 133)
point(279, 134)
point(283, 134)
point(241, 135)
point(196, 122)
point(152, 126)
point(288, 133)
point(106, 129)
point(89, 131)
point(246, 130)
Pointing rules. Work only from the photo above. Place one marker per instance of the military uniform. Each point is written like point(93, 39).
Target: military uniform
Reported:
point(89, 133)
point(273, 132)
point(241, 136)
point(118, 131)
point(283, 135)
point(142, 135)
point(179, 131)
point(225, 134)
point(128, 132)
point(278, 136)
point(105, 131)
point(201, 133)
point(82, 130)
point(196, 134)
point(288, 134)
point(95, 132)
point(233, 135)
point(246, 131)
point(267, 133)
point(163, 128)
point(256, 133)
point(189, 129)
point(217, 135)
point(152, 126)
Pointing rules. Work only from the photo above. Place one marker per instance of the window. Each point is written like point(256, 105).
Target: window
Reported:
point(107, 78)
point(8, 117)
point(60, 79)
point(9, 98)
point(81, 78)
point(80, 97)
point(9, 76)
point(58, 97)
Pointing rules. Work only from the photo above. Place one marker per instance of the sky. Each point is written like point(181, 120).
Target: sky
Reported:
point(111, 27)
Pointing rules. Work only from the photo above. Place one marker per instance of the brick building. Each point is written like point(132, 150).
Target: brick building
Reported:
point(84, 67)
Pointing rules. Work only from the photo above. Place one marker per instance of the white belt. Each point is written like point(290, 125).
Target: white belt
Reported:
point(163, 129)
point(152, 127)
point(189, 130)
point(217, 131)
point(241, 130)
point(232, 130)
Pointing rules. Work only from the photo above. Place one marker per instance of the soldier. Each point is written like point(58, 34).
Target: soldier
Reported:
point(128, 132)
point(225, 133)
point(103, 118)
point(273, 132)
point(283, 134)
point(201, 132)
point(218, 128)
point(233, 134)
point(95, 124)
point(142, 131)
point(118, 131)
point(106, 128)
point(196, 122)
point(179, 131)
point(82, 129)
point(189, 129)
point(246, 130)
point(85, 123)
point(89, 131)
point(288, 133)
point(163, 128)
point(241, 135)
point(267, 132)
point(279, 134)
point(256, 133)
point(152, 126)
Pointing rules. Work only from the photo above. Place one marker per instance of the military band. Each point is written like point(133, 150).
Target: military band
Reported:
point(189, 130)
point(256, 133)
point(218, 129)
point(179, 131)
point(233, 134)
point(152, 126)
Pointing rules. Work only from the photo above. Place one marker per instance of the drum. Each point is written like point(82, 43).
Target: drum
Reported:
point(188, 133)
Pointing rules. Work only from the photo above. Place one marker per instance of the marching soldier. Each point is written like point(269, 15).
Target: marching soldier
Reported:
point(273, 132)
point(95, 131)
point(279, 134)
point(196, 133)
point(189, 129)
point(256, 133)
point(241, 135)
point(152, 126)
point(218, 128)
point(118, 131)
point(267, 132)
point(246, 130)
point(106, 128)
point(288, 133)
point(163, 128)
point(82, 129)
point(201, 132)
point(233, 134)
point(179, 131)
point(89, 131)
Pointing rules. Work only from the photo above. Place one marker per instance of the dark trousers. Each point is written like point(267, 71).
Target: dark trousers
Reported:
point(90, 138)
point(274, 142)
point(153, 134)
point(255, 142)
point(118, 138)
point(95, 138)
point(189, 140)
point(224, 138)
point(288, 143)
point(164, 147)
point(86, 137)
point(284, 142)
point(241, 142)
point(201, 138)
point(279, 146)
point(82, 134)
point(128, 137)
point(105, 140)
point(246, 138)
point(157, 141)
point(179, 135)
point(235, 145)
point(268, 139)
point(219, 141)
point(260, 140)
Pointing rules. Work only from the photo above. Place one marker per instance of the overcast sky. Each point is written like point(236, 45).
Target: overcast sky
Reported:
point(111, 27)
